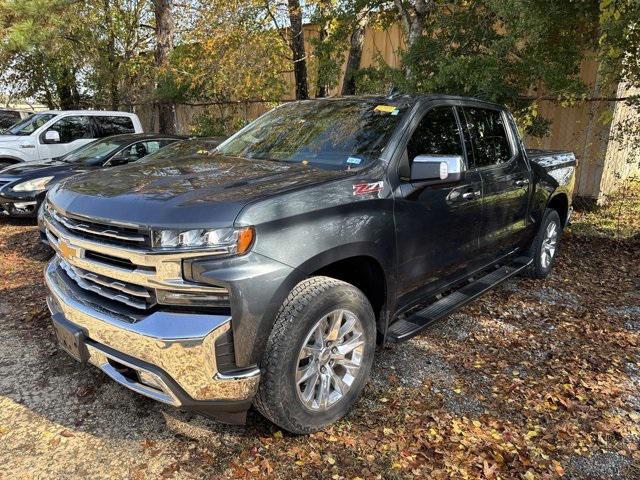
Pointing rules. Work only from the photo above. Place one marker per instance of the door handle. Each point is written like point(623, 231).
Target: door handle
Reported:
point(470, 195)
point(522, 183)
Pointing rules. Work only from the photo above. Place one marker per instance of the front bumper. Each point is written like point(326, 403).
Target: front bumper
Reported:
point(167, 356)
point(20, 204)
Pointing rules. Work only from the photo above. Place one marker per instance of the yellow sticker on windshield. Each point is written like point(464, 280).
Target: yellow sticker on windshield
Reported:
point(385, 108)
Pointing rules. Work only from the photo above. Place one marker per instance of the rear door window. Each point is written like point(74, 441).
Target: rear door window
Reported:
point(113, 125)
point(489, 137)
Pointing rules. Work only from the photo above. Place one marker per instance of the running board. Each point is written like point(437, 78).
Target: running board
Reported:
point(407, 328)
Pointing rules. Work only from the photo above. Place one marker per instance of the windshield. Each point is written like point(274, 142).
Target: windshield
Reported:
point(29, 125)
point(94, 153)
point(339, 134)
point(184, 148)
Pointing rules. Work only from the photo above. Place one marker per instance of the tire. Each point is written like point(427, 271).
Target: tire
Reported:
point(314, 303)
point(541, 267)
point(4, 164)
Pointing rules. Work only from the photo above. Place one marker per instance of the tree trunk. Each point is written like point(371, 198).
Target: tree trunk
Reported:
point(321, 88)
point(414, 18)
point(67, 91)
point(296, 43)
point(355, 55)
point(114, 94)
point(164, 46)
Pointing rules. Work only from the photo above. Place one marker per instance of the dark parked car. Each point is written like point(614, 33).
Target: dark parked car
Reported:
point(265, 271)
point(23, 186)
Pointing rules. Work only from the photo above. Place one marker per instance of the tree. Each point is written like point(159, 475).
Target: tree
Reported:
point(40, 43)
point(164, 46)
point(296, 43)
point(231, 57)
point(499, 50)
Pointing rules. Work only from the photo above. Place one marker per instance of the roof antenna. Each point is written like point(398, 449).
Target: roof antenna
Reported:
point(393, 91)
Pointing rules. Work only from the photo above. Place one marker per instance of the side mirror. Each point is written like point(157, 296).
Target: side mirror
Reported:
point(51, 136)
point(446, 168)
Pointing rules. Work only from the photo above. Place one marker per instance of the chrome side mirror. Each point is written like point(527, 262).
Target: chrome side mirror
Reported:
point(51, 136)
point(446, 168)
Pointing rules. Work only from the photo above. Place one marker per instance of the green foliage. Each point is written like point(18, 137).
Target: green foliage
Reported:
point(71, 53)
point(211, 124)
point(498, 50)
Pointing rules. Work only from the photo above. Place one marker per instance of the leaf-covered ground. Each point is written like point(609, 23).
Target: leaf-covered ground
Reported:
point(538, 379)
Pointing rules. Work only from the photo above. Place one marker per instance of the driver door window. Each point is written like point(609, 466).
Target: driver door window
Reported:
point(74, 131)
point(437, 133)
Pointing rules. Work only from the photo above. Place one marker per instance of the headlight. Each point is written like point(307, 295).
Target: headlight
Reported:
point(232, 241)
point(34, 185)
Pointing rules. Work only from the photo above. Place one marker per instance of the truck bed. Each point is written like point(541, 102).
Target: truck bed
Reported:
point(552, 159)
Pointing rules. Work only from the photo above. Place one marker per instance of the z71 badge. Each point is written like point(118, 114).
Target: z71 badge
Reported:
point(365, 188)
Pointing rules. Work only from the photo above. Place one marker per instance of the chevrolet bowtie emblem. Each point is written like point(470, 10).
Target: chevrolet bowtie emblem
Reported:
point(67, 251)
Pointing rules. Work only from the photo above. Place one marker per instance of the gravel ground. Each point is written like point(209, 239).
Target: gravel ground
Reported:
point(498, 365)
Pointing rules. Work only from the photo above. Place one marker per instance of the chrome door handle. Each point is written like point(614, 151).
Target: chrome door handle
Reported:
point(522, 183)
point(470, 195)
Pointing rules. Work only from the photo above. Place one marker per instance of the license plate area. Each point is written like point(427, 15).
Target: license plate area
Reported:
point(70, 338)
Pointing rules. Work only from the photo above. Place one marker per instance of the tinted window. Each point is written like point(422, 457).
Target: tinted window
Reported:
point(488, 136)
point(436, 134)
point(334, 134)
point(8, 118)
point(94, 153)
point(108, 126)
point(73, 128)
point(141, 149)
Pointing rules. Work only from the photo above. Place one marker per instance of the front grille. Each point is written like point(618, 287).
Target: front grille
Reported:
point(132, 295)
point(91, 230)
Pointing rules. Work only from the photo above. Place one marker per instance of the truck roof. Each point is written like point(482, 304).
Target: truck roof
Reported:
point(89, 112)
point(407, 99)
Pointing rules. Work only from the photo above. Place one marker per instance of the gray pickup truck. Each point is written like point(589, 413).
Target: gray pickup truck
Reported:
point(266, 270)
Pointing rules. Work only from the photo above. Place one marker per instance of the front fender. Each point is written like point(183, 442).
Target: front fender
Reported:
point(12, 155)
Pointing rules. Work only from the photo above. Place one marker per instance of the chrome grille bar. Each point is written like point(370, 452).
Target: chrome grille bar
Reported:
point(94, 229)
point(111, 294)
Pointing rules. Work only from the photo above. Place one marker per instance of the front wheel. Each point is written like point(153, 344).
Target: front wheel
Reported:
point(545, 245)
point(318, 356)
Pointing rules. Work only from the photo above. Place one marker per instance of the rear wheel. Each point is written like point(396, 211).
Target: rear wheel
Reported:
point(545, 245)
point(318, 356)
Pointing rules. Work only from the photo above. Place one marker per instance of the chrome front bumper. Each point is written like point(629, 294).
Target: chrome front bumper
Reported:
point(174, 353)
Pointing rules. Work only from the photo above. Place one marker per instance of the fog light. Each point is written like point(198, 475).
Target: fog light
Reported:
point(150, 379)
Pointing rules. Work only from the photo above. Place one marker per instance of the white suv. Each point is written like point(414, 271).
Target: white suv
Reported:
point(52, 134)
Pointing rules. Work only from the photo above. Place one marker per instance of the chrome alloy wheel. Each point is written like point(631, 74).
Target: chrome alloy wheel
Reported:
point(330, 360)
point(549, 244)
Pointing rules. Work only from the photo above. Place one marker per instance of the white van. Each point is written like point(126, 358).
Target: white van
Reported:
point(53, 133)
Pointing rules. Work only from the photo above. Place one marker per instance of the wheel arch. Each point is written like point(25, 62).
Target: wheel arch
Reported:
point(559, 202)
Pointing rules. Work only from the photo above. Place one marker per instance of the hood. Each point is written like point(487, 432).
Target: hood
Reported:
point(10, 138)
point(198, 191)
point(50, 168)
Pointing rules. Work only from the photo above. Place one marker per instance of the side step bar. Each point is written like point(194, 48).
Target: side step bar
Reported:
point(411, 326)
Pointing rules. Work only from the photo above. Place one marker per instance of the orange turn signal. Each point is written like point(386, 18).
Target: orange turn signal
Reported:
point(245, 239)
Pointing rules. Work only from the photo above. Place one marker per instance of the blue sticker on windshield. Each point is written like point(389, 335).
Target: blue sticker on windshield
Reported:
point(354, 160)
